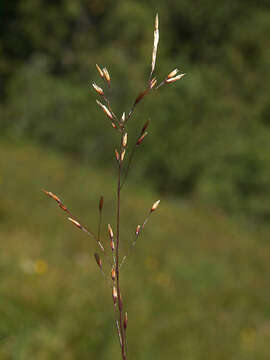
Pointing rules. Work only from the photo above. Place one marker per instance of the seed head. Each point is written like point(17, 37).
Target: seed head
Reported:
point(101, 201)
point(114, 294)
point(98, 260)
point(156, 39)
point(124, 141)
point(99, 70)
point(156, 22)
point(112, 245)
point(106, 75)
point(141, 138)
point(113, 274)
point(75, 222)
point(141, 96)
point(138, 229)
point(173, 79)
point(98, 89)
point(63, 207)
point(110, 231)
point(53, 196)
point(172, 73)
point(145, 126)
point(125, 320)
point(123, 155)
point(116, 154)
point(153, 83)
point(155, 205)
point(105, 109)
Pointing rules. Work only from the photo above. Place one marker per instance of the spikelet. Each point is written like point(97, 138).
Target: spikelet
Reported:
point(155, 46)
point(113, 274)
point(125, 320)
point(98, 89)
point(172, 73)
point(141, 96)
point(155, 205)
point(114, 294)
point(153, 83)
point(112, 245)
point(116, 154)
point(53, 196)
point(124, 141)
point(138, 229)
point(105, 109)
point(75, 222)
point(123, 155)
point(101, 202)
point(175, 78)
point(63, 207)
point(145, 126)
point(106, 75)
point(141, 138)
point(99, 70)
point(110, 231)
point(98, 260)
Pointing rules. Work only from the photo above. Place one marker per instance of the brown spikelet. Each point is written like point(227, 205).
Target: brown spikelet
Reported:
point(153, 83)
point(138, 229)
point(116, 154)
point(106, 75)
point(124, 141)
point(173, 79)
point(53, 196)
point(141, 96)
point(145, 126)
point(113, 274)
point(155, 205)
point(114, 294)
point(112, 245)
point(63, 207)
point(99, 70)
point(155, 46)
point(98, 89)
point(125, 320)
point(98, 260)
point(75, 222)
point(141, 138)
point(110, 231)
point(123, 155)
point(105, 109)
point(101, 202)
point(172, 73)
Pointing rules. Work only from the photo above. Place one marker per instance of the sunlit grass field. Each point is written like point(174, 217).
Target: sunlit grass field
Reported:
point(196, 287)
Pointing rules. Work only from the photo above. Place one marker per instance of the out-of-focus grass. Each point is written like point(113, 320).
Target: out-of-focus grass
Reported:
point(196, 286)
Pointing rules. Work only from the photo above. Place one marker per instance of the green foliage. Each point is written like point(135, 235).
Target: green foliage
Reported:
point(196, 284)
point(216, 120)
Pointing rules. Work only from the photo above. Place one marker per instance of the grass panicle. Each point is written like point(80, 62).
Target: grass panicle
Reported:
point(122, 155)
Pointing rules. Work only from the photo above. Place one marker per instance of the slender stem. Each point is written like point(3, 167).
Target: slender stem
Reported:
point(122, 333)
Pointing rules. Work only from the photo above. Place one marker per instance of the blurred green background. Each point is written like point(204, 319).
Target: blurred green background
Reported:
point(197, 286)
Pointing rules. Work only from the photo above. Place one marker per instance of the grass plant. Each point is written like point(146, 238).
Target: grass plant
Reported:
point(109, 259)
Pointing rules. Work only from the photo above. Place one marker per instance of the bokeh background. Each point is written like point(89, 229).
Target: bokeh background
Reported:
point(197, 286)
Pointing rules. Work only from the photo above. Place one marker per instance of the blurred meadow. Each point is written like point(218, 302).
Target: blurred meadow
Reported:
point(197, 284)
